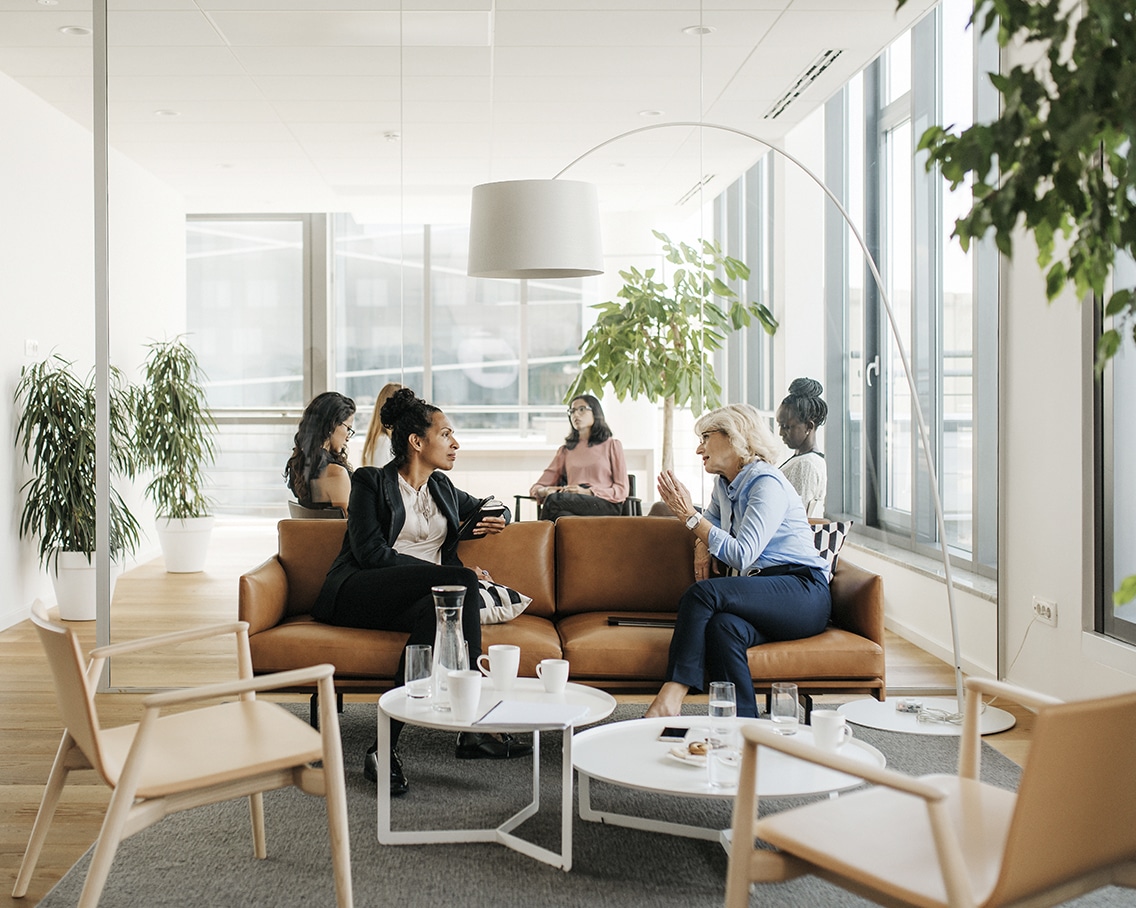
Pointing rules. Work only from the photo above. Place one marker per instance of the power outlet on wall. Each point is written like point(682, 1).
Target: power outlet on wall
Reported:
point(1045, 611)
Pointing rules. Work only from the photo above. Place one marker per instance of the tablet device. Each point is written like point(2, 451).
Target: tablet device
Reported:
point(487, 507)
point(623, 621)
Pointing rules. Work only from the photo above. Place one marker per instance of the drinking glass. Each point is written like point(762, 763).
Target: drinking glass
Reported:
point(783, 709)
point(419, 671)
point(723, 757)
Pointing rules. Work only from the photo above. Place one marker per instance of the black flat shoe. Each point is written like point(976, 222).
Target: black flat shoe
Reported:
point(477, 746)
point(398, 783)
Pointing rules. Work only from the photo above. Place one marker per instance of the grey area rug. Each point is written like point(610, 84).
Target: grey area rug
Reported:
point(204, 857)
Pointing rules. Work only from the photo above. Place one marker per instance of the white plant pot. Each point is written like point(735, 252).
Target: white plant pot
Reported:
point(185, 543)
point(74, 582)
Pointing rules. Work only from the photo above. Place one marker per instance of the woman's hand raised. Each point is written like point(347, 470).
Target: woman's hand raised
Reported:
point(675, 495)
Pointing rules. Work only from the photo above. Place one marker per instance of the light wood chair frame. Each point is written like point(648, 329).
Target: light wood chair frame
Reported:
point(967, 819)
point(86, 746)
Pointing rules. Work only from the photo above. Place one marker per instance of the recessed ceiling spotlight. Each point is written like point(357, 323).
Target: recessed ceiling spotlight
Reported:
point(699, 30)
point(48, 2)
point(167, 113)
point(650, 113)
point(392, 136)
point(618, 164)
point(74, 30)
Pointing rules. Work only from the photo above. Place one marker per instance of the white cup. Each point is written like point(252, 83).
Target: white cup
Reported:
point(830, 729)
point(465, 693)
point(554, 674)
point(501, 665)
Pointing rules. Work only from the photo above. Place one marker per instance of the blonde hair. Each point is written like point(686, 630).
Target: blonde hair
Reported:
point(376, 427)
point(749, 436)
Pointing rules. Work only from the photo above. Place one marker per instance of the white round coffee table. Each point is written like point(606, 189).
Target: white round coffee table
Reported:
point(525, 708)
point(630, 755)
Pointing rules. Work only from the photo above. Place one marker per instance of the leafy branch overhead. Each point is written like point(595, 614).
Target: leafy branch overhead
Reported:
point(657, 342)
point(1058, 160)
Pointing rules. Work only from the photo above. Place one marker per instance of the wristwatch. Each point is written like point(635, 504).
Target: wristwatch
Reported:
point(693, 520)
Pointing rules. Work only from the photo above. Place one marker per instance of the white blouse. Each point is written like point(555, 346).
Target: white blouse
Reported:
point(425, 529)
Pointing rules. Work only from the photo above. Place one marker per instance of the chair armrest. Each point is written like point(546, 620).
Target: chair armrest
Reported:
point(193, 633)
point(1020, 695)
point(274, 681)
point(517, 499)
point(767, 737)
point(858, 601)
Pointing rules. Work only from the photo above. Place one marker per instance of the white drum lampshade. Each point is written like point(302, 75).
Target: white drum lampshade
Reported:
point(535, 229)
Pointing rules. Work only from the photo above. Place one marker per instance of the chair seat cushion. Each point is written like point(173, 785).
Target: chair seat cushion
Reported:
point(883, 838)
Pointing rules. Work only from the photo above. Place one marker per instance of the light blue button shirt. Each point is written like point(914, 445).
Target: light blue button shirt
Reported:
point(759, 521)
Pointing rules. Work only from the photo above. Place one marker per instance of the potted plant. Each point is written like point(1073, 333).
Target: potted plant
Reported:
point(176, 427)
point(657, 343)
point(56, 434)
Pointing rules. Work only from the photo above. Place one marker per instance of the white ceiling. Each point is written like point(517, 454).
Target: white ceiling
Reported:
point(286, 105)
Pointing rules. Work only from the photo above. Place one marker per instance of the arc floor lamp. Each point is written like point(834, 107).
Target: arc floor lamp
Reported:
point(550, 229)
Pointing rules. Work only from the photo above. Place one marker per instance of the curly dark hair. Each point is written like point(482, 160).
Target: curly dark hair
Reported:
point(406, 414)
point(600, 431)
point(805, 403)
point(321, 417)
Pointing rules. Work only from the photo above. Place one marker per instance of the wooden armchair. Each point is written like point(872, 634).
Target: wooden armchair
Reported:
point(167, 763)
point(946, 840)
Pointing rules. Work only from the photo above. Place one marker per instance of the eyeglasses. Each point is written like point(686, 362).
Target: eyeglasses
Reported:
point(350, 430)
point(572, 411)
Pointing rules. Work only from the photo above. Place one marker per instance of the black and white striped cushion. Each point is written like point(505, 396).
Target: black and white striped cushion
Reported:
point(500, 604)
point(829, 538)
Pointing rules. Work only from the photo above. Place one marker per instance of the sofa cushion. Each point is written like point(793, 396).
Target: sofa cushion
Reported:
point(536, 637)
point(521, 557)
point(835, 653)
point(307, 549)
point(355, 653)
point(595, 649)
point(628, 564)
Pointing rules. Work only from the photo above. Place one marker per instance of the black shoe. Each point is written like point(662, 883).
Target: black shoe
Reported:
point(398, 783)
point(476, 745)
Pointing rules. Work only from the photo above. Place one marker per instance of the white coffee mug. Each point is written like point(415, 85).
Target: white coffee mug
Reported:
point(465, 693)
point(830, 729)
point(554, 674)
point(501, 665)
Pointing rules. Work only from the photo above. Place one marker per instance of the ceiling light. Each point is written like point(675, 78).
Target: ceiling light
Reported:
point(650, 113)
point(74, 30)
point(48, 2)
point(167, 113)
point(392, 136)
point(699, 30)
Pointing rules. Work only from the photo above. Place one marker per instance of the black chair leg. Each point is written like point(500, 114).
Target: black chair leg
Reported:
point(313, 708)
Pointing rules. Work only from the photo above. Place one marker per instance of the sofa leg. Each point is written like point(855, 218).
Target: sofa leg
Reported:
point(808, 701)
point(313, 708)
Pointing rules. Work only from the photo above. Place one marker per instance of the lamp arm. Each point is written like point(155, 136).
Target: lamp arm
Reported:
point(924, 436)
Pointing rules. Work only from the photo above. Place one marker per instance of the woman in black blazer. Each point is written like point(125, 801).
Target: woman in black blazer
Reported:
point(402, 539)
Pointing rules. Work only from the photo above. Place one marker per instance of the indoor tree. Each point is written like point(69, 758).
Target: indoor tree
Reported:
point(1057, 162)
point(658, 341)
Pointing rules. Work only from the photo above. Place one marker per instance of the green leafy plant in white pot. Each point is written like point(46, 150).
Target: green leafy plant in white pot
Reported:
point(56, 435)
point(657, 342)
point(176, 432)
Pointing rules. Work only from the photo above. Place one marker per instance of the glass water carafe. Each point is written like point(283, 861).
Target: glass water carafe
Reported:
point(450, 653)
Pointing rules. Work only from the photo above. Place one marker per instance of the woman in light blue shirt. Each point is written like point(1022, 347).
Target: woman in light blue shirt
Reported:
point(766, 581)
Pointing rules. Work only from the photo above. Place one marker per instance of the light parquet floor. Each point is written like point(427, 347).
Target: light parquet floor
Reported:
point(148, 601)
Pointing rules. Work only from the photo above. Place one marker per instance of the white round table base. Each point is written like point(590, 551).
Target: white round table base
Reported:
point(872, 713)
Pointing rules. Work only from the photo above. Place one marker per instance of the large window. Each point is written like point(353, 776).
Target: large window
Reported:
point(282, 308)
point(944, 303)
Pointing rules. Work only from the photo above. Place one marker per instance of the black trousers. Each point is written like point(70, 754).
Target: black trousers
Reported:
point(560, 503)
point(399, 599)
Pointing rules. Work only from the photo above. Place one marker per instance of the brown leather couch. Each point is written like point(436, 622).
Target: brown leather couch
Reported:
point(579, 571)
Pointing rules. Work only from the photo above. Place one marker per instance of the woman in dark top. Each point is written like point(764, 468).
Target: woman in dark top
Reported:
point(317, 472)
point(402, 539)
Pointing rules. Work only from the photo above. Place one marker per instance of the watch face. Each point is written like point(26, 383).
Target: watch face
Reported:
point(692, 521)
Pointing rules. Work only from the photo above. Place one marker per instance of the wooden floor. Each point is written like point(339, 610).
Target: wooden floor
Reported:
point(149, 601)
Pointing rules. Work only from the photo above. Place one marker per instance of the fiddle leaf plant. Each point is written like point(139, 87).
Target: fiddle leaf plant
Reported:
point(658, 341)
point(1058, 161)
point(173, 417)
point(56, 435)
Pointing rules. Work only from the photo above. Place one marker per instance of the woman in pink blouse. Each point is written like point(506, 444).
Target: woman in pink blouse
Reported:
point(588, 475)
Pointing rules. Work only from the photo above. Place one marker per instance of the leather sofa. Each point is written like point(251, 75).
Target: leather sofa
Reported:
point(579, 572)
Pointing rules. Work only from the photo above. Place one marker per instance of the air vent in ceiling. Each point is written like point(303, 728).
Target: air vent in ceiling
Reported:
point(812, 72)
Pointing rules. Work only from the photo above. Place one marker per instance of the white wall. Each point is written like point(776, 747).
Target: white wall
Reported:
point(47, 278)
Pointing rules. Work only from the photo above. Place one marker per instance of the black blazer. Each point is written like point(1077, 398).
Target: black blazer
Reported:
point(375, 517)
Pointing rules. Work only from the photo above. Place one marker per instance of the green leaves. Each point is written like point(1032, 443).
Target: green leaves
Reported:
point(1041, 163)
point(657, 343)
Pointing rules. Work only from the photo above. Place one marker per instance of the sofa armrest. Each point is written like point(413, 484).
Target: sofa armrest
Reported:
point(263, 596)
point(858, 601)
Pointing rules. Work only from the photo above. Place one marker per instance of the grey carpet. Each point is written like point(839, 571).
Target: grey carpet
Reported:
point(204, 857)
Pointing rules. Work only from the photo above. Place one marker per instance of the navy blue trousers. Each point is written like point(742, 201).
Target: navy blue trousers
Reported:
point(720, 618)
